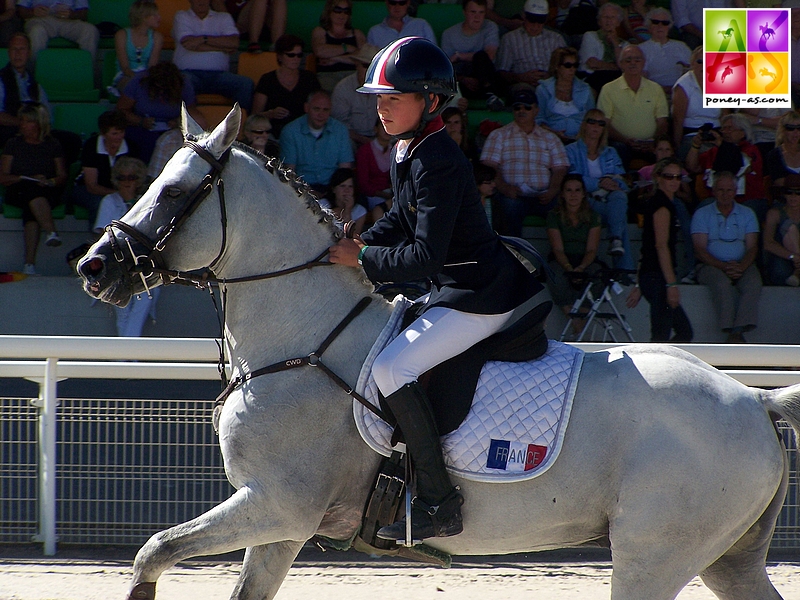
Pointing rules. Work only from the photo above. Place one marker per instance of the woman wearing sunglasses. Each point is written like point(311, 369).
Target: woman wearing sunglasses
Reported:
point(602, 171)
point(436, 229)
point(784, 159)
point(688, 114)
point(782, 237)
point(657, 280)
point(335, 42)
point(128, 176)
point(281, 94)
point(563, 98)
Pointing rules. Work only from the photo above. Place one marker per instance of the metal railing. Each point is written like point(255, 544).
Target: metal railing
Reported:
point(115, 471)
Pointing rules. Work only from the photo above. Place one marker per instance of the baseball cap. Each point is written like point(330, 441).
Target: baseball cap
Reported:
point(525, 95)
point(536, 7)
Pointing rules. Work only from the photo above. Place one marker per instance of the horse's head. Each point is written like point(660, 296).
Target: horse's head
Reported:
point(171, 227)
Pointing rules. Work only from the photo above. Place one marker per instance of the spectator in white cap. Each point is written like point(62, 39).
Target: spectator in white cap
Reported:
point(524, 54)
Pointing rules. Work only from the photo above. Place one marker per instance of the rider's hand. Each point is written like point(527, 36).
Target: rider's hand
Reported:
point(345, 252)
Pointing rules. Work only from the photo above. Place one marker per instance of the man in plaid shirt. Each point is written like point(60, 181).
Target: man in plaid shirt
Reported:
point(524, 54)
point(530, 162)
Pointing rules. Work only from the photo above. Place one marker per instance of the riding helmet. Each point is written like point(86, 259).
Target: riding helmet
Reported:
point(412, 65)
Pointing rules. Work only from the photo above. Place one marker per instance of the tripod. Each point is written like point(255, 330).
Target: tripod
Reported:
point(609, 318)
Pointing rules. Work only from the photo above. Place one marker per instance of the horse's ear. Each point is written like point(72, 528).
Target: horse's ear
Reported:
point(188, 125)
point(225, 133)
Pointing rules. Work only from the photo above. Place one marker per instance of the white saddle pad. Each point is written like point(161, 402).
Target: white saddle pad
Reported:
point(516, 425)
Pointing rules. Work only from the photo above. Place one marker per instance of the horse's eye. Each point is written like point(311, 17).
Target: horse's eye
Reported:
point(174, 192)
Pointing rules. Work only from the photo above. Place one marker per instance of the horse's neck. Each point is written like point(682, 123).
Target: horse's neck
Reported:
point(289, 316)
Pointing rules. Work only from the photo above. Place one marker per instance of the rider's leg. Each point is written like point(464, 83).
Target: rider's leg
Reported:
point(439, 334)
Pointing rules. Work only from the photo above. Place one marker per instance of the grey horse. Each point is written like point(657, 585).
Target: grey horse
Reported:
point(673, 464)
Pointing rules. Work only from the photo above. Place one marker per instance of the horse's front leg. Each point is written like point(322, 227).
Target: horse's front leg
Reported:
point(264, 569)
point(244, 520)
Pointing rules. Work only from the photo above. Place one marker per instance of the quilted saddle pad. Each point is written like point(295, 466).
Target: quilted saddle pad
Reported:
point(516, 425)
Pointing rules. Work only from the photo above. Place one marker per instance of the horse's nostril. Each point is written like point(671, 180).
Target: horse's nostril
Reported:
point(92, 268)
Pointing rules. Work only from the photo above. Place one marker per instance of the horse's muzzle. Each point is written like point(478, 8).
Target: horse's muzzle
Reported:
point(103, 277)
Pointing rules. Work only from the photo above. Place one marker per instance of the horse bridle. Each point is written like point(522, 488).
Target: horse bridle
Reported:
point(150, 262)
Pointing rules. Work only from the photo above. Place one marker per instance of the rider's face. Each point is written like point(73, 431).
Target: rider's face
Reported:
point(400, 113)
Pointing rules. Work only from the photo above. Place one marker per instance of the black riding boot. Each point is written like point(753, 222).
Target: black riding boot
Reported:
point(436, 510)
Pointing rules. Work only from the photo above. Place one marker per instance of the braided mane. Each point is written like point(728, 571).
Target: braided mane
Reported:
point(291, 179)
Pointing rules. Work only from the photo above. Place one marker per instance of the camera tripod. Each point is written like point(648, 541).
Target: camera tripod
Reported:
point(603, 313)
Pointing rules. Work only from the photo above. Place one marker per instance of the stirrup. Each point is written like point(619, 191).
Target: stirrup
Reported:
point(429, 520)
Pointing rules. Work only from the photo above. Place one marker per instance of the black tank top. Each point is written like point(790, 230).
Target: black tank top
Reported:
point(329, 39)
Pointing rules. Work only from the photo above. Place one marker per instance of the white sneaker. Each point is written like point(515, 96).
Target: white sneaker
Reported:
point(793, 280)
point(53, 240)
point(616, 248)
point(690, 278)
point(29, 269)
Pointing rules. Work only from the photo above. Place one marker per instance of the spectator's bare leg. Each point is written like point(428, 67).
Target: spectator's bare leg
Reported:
point(31, 241)
point(252, 18)
point(791, 241)
point(277, 24)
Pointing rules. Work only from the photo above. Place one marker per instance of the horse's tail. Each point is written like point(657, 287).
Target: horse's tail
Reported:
point(785, 402)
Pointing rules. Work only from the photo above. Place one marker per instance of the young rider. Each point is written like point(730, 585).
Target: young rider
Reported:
point(436, 229)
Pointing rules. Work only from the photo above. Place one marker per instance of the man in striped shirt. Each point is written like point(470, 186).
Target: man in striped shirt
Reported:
point(530, 162)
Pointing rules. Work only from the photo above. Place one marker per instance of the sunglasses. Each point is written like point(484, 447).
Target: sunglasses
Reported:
point(531, 18)
point(260, 131)
point(791, 192)
point(660, 22)
point(341, 10)
point(522, 106)
point(699, 61)
point(596, 122)
point(569, 65)
point(293, 54)
point(130, 177)
point(670, 177)
point(789, 127)
point(397, 2)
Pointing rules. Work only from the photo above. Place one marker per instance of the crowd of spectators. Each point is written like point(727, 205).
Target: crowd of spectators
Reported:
point(606, 129)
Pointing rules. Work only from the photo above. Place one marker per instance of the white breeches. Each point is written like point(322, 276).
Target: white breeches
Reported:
point(439, 334)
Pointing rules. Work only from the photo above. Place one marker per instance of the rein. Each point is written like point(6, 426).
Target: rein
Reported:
point(152, 263)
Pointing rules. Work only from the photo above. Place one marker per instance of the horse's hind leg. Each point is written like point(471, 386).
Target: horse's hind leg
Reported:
point(264, 569)
point(242, 521)
point(741, 573)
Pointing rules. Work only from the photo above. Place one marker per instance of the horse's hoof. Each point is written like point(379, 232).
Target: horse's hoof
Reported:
point(143, 591)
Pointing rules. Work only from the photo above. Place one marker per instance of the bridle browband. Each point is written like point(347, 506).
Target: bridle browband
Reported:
point(152, 263)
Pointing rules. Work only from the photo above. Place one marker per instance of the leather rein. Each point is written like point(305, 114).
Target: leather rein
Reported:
point(148, 262)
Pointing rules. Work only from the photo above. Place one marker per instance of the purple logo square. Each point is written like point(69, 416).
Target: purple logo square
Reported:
point(768, 30)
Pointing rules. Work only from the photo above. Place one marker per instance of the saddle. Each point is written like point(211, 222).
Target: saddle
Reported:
point(451, 385)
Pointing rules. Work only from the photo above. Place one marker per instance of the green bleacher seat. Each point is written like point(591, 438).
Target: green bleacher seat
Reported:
point(476, 117)
point(368, 13)
point(3, 57)
point(79, 117)
point(440, 16)
point(301, 18)
point(12, 212)
point(111, 11)
point(67, 75)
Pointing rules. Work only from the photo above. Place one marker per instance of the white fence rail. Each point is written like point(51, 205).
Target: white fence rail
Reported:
point(47, 360)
